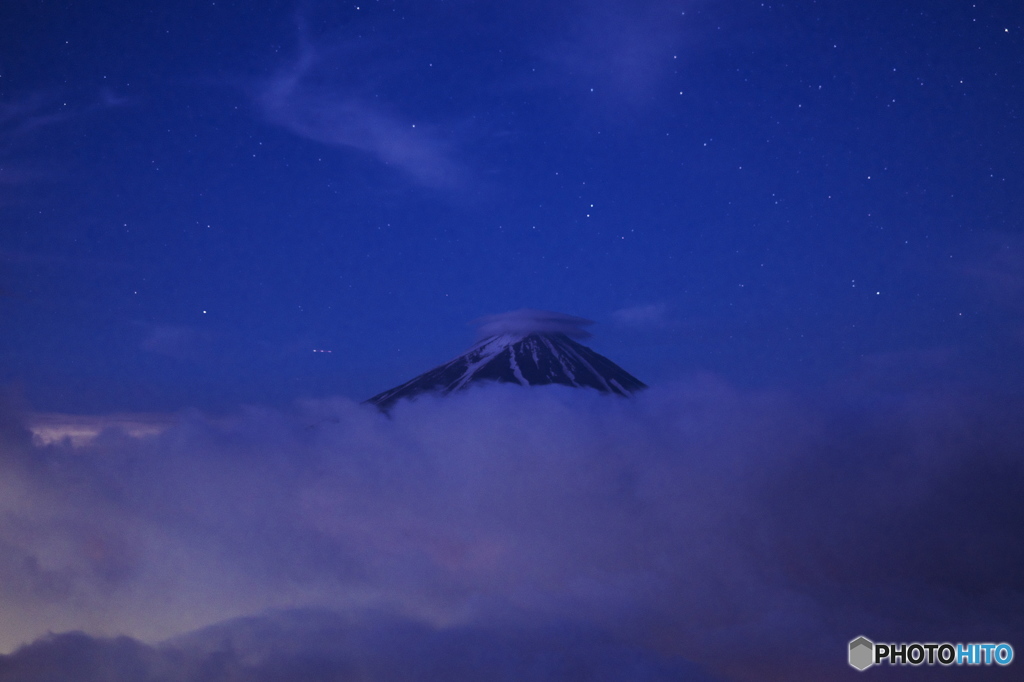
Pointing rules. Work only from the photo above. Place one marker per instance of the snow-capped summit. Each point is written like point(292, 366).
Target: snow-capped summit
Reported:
point(526, 347)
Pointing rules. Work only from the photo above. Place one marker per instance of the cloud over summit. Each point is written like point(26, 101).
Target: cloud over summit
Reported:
point(528, 321)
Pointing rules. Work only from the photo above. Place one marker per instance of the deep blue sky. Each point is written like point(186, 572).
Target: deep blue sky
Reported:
point(800, 224)
point(194, 196)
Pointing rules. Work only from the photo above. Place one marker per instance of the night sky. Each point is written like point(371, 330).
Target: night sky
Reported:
point(195, 197)
point(800, 223)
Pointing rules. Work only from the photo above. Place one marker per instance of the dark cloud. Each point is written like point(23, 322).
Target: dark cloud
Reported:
point(320, 645)
point(752, 533)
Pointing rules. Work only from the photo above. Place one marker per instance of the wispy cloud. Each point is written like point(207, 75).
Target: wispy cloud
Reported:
point(20, 120)
point(1000, 266)
point(176, 341)
point(297, 100)
point(995, 266)
point(618, 48)
point(23, 119)
point(650, 315)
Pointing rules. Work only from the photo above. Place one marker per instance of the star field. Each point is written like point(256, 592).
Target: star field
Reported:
point(194, 197)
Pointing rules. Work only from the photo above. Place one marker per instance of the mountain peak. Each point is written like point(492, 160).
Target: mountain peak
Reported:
point(526, 347)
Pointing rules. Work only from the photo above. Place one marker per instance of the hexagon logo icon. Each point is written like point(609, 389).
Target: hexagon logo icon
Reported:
point(862, 653)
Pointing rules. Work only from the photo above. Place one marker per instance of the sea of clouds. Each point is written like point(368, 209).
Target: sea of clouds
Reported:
point(694, 532)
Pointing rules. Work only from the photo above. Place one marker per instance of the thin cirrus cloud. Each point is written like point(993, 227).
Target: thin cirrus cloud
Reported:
point(696, 527)
point(297, 101)
point(23, 118)
point(625, 50)
point(20, 120)
point(176, 341)
point(348, 93)
point(999, 264)
point(650, 315)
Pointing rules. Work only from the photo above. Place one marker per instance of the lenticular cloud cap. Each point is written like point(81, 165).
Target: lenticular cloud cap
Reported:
point(528, 321)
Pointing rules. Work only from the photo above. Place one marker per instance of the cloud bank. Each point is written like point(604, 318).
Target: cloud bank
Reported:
point(693, 532)
point(322, 645)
